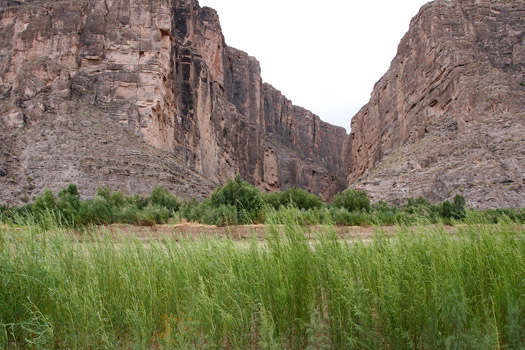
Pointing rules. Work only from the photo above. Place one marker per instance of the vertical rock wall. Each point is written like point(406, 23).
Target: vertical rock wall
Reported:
point(159, 70)
point(448, 117)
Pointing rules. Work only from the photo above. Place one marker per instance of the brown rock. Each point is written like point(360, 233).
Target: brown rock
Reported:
point(448, 117)
point(152, 73)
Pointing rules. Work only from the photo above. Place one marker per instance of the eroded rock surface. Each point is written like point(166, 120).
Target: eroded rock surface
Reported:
point(178, 106)
point(449, 115)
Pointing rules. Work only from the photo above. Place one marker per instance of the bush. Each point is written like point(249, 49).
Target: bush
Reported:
point(296, 197)
point(352, 200)
point(342, 216)
point(138, 201)
point(190, 210)
point(68, 205)
point(221, 216)
point(421, 208)
point(246, 198)
point(152, 215)
point(44, 203)
point(495, 216)
point(115, 199)
point(272, 199)
point(97, 211)
point(455, 210)
point(160, 196)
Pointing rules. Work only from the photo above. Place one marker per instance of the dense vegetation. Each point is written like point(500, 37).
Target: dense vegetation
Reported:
point(238, 202)
point(421, 289)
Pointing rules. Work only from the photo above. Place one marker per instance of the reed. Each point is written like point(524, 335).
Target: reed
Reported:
point(420, 289)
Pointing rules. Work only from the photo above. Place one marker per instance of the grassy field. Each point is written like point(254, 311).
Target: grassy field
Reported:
point(422, 288)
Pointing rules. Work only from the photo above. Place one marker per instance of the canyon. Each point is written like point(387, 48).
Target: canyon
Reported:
point(449, 115)
point(131, 94)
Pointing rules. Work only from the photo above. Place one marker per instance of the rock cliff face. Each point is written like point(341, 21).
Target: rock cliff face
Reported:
point(135, 93)
point(449, 115)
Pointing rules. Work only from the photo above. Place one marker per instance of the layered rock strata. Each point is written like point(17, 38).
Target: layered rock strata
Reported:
point(157, 76)
point(449, 115)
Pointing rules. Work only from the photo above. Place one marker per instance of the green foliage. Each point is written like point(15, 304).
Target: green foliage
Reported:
point(342, 216)
point(237, 203)
point(421, 207)
point(223, 215)
point(497, 215)
point(68, 204)
point(113, 199)
point(44, 203)
point(352, 200)
point(420, 289)
point(139, 201)
point(303, 217)
point(108, 207)
point(296, 197)
point(210, 214)
point(162, 198)
point(455, 210)
point(152, 215)
point(459, 210)
point(246, 198)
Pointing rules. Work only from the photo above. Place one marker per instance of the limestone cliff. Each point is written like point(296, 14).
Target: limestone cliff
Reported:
point(135, 93)
point(449, 115)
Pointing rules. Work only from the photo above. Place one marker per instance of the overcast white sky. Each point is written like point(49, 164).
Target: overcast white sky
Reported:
point(326, 55)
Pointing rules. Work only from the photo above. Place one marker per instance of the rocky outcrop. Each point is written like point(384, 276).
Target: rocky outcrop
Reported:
point(159, 78)
point(449, 115)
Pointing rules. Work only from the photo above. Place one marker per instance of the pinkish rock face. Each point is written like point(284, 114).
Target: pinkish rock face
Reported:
point(146, 95)
point(448, 117)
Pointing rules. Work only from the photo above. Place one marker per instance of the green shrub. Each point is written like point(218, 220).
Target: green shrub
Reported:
point(288, 213)
point(98, 211)
point(152, 215)
point(240, 194)
point(352, 200)
point(139, 201)
point(68, 205)
point(296, 197)
point(4, 212)
point(421, 207)
point(160, 196)
point(222, 215)
point(114, 199)
point(459, 210)
point(128, 215)
point(341, 216)
point(498, 215)
point(190, 210)
point(45, 202)
point(455, 210)
point(272, 199)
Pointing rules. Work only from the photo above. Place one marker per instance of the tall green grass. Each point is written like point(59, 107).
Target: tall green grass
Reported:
point(421, 289)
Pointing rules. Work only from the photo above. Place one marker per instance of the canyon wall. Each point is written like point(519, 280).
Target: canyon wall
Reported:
point(135, 93)
point(449, 115)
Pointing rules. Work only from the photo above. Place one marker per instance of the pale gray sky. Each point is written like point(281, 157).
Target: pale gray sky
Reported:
point(324, 56)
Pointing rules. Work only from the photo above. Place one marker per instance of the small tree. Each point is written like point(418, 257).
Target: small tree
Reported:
point(160, 196)
point(300, 198)
point(455, 210)
point(44, 203)
point(459, 210)
point(240, 194)
point(68, 204)
point(352, 200)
